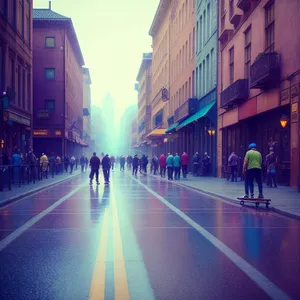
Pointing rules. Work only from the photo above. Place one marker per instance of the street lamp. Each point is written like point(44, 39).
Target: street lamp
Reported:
point(211, 131)
point(283, 121)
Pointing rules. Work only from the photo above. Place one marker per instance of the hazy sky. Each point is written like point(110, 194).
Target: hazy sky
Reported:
point(112, 35)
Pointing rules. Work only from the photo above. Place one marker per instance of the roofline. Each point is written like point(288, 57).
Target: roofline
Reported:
point(159, 11)
point(69, 22)
point(144, 65)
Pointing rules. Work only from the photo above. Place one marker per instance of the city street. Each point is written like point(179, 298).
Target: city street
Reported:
point(143, 238)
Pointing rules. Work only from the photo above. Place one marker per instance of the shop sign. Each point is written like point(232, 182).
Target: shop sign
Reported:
point(18, 119)
point(43, 114)
point(57, 132)
point(294, 115)
point(40, 132)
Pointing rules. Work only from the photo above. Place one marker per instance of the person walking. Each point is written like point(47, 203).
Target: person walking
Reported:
point(184, 164)
point(162, 165)
point(232, 164)
point(205, 164)
point(72, 163)
point(82, 162)
point(112, 160)
point(106, 165)
point(170, 166)
point(271, 162)
point(177, 164)
point(95, 165)
point(196, 164)
point(135, 165)
point(66, 162)
point(58, 164)
point(252, 169)
point(122, 163)
point(86, 161)
point(44, 164)
point(52, 164)
point(145, 162)
point(154, 164)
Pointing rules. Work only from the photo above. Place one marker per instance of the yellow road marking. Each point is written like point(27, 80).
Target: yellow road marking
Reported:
point(97, 289)
point(121, 284)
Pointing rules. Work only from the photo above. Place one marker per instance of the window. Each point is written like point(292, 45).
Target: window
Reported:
point(231, 65)
point(201, 33)
point(186, 53)
point(50, 73)
point(50, 42)
point(190, 45)
point(194, 40)
point(197, 37)
point(23, 90)
point(29, 91)
point(28, 21)
point(190, 94)
point(186, 10)
point(19, 86)
point(14, 12)
point(197, 81)
point(200, 80)
point(270, 26)
point(247, 52)
point(208, 20)
point(193, 84)
point(23, 18)
point(204, 79)
point(3, 7)
point(50, 105)
point(204, 27)
point(207, 73)
point(183, 58)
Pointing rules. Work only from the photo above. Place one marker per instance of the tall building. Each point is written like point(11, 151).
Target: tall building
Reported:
point(259, 82)
point(16, 75)
point(97, 131)
point(58, 87)
point(144, 79)
point(160, 33)
point(86, 135)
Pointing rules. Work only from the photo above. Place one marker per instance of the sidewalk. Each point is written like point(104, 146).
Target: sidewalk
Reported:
point(284, 200)
point(27, 189)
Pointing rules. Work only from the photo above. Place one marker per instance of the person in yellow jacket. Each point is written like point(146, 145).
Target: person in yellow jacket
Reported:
point(44, 163)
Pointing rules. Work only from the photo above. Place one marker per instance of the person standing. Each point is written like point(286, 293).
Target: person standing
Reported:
point(44, 164)
point(72, 163)
point(58, 164)
point(196, 164)
point(52, 164)
point(205, 164)
point(66, 162)
point(233, 163)
point(271, 162)
point(135, 165)
point(252, 169)
point(177, 163)
point(145, 162)
point(184, 164)
point(122, 163)
point(106, 165)
point(112, 160)
point(95, 165)
point(162, 165)
point(170, 166)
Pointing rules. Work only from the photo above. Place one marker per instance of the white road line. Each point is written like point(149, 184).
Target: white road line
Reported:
point(10, 238)
point(262, 281)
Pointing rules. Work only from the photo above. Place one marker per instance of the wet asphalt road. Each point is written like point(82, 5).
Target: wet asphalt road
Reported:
point(144, 239)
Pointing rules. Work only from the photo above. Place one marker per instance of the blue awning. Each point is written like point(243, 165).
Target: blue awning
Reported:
point(198, 115)
point(172, 127)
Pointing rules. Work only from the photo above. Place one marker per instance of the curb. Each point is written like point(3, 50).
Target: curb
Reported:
point(274, 209)
point(34, 191)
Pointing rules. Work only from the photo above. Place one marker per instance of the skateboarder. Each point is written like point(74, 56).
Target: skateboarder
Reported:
point(252, 170)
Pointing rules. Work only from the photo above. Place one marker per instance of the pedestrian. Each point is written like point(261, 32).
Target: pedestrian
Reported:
point(184, 164)
point(177, 163)
point(170, 166)
point(252, 169)
point(44, 164)
point(271, 163)
point(122, 163)
point(82, 162)
point(58, 164)
point(72, 163)
point(232, 164)
point(66, 162)
point(135, 165)
point(106, 165)
point(86, 161)
point(16, 162)
point(112, 160)
point(129, 161)
point(145, 162)
point(95, 165)
point(162, 165)
point(196, 164)
point(154, 164)
point(205, 164)
point(52, 164)
point(76, 162)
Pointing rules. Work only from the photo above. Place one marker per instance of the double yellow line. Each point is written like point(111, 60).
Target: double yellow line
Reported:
point(97, 289)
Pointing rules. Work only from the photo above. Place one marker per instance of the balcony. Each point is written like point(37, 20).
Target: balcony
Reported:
point(224, 35)
point(234, 16)
point(235, 93)
point(244, 4)
point(265, 71)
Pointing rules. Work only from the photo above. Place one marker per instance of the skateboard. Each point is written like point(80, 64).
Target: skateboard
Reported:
point(257, 201)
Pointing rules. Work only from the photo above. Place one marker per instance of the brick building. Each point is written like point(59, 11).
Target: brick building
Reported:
point(58, 85)
point(86, 77)
point(16, 74)
point(259, 80)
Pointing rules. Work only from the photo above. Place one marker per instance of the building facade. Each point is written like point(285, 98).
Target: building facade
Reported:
point(16, 74)
point(144, 79)
point(58, 86)
point(160, 33)
point(259, 82)
point(86, 77)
